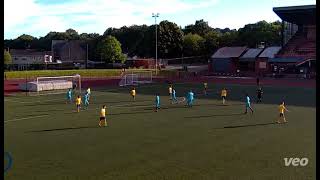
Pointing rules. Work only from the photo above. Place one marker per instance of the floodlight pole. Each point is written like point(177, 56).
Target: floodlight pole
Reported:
point(155, 22)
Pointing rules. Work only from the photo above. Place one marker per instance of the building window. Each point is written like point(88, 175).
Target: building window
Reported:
point(262, 65)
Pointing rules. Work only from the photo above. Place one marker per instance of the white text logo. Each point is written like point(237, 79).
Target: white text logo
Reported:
point(296, 161)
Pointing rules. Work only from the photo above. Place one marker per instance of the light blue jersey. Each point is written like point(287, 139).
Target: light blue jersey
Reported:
point(157, 101)
point(247, 101)
point(86, 99)
point(190, 98)
point(191, 95)
point(69, 94)
point(174, 95)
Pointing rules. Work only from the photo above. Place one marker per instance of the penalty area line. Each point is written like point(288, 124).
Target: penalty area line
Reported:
point(26, 118)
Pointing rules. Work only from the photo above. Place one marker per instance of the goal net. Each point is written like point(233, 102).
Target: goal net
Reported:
point(136, 78)
point(52, 85)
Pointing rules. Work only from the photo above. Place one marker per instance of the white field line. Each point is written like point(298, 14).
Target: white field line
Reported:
point(16, 100)
point(113, 106)
point(21, 119)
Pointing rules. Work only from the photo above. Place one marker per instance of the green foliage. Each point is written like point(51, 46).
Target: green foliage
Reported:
point(110, 50)
point(211, 42)
point(200, 27)
point(193, 45)
point(139, 40)
point(262, 31)
point(170, 40)
point(228, 39)
point(7, 58)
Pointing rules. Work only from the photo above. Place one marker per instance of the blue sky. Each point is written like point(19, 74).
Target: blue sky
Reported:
point(38, 17)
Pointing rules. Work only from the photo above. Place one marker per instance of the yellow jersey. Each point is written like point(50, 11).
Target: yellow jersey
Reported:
point(282, 108)
point(133, 92)
point(224, 92)
point(78, 101)
point(103, 112)
point(170, 90)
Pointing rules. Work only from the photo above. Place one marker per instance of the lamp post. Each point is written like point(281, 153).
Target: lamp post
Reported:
point(155, 15)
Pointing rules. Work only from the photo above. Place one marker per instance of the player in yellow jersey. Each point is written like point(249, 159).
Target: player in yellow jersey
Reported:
point(224, 95)
point(133, 94)
point(103, 116)
point(282, 108)
point(78, 103)
point(205, 88)
point(170, 91)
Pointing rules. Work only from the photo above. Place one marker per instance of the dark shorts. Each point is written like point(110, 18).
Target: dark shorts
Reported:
point(281, 115)
point(102, 118)
point(223, 97)
point(78, 105)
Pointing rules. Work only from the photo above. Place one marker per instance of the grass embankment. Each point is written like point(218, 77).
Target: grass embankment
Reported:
point(82, 72)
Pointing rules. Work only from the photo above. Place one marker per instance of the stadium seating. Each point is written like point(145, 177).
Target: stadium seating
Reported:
point(299, 46)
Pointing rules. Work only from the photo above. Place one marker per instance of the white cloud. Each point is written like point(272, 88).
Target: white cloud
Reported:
point(26, 16)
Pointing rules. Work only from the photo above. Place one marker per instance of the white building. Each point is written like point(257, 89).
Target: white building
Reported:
point(30, 56)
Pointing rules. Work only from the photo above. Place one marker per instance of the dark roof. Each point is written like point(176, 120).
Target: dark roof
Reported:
point(285, 60)
point(251, 54)
point(269, 52)
point(297, 14)
point(228, 52)
point(304, 61)
point(28, 52)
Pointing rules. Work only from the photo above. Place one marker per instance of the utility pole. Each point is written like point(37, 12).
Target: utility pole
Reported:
point(87, 57)
point(155, 21)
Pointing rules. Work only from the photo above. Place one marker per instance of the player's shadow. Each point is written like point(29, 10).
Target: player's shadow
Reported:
point(64, 129)
point(243, 126)
point(214, 115)
point(126, 101)
point(140, 112)
point(248, 125)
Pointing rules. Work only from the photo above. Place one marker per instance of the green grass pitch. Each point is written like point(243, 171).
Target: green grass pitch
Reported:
point(48, 140)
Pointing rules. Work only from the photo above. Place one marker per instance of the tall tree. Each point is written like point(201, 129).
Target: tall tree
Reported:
point(170, 40)
point(200, 27)
point(228, 39)
point(110, 50)
point(193, 45)
point(7, 58)
point(211, 42)
point(72, 34)
point(262, 31)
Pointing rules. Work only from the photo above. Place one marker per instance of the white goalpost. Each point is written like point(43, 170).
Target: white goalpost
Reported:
point(136, 78)
point(53, 85)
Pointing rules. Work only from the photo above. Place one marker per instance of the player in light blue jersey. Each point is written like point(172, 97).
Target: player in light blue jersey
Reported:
point(174, 97)
point(190, 98)
point(86, 100)
point(248, 104)
point(69, 96)
point(157, 102)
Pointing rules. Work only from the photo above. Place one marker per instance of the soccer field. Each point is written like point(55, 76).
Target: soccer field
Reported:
point(47, 139)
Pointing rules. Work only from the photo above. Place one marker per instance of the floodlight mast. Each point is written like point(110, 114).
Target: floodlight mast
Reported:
point(155, 15)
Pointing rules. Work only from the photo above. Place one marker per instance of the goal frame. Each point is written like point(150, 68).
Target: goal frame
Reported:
point(135, 78)
point(59, 77)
